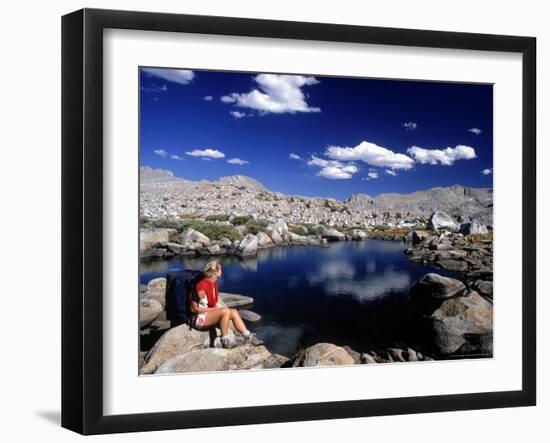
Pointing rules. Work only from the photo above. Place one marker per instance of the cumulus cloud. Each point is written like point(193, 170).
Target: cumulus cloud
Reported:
point(371, 154)
point(154, 89)
point(333, 169)
point(179, 76)
point(176, 157)
point(206, 153)
point(487, 171)
point(410, 126)
point(338, 173)
point(390, 172)
point(275, 94)
point(476, 131)
point(208, 98)
point(316, 161)
point(446, 156)
point(372, 175)
point(293, 156)
point(238, 161)
point(160, 152)
point(238, 114)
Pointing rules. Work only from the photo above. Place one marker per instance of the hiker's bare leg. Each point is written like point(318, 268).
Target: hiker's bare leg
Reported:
point(237, 321)
point(218, 316)
point(224, 322)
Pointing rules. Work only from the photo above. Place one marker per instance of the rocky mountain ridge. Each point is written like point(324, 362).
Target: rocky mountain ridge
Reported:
point(455, 200)
point(163, 196)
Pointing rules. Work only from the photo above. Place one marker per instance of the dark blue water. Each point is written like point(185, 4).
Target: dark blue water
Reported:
point(349, 293)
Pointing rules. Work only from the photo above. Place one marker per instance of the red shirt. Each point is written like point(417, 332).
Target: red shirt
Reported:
point(211, 290)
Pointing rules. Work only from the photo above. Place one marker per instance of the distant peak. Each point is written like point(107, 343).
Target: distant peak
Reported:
point(359, 196)
point(242, 180)
point(148, 173)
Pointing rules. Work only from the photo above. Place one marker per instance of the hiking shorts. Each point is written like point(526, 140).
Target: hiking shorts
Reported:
point(199, 320)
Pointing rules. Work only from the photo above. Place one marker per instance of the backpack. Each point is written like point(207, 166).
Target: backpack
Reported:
point(178, 286)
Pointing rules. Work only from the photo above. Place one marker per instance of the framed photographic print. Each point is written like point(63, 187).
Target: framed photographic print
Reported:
point(269, 221)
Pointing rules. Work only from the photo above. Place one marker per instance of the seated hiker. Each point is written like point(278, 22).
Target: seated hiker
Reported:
point(207, 313)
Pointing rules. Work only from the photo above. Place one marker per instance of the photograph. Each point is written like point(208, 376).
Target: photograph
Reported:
point(293, 220)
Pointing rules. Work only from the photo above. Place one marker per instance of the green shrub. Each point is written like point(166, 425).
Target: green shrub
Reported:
point(313, 229)
point(298, 229)
point(217, 217)
point(255, 226)
point(241, 220)
point(144, 222)
point(165, 223)
point(211, 230)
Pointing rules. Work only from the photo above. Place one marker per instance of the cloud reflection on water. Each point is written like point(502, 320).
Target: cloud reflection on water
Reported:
point(331, 270)
point(340, 278)
point(370, 288)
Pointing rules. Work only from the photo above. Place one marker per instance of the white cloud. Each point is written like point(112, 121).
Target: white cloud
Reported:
point(275, 94)
point(293, 156)
point(410, 126)
point(372, 175)
point(238, 161)
point(316, 161)
point(161, 152)
point(176, 157)
point(208, 98)
point(487, 171)
point(238, 114)
point(337, 173)
point(390, 172)
point(333, 169)
point(445, 156)
point(180, 76)
point(476, 131)
point(154, 89)
point(206, 153)
point(371, 154)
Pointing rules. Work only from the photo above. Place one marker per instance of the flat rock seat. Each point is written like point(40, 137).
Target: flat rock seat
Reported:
point(235, 300)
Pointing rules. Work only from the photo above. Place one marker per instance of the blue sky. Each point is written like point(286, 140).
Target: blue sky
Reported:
point(314, 135)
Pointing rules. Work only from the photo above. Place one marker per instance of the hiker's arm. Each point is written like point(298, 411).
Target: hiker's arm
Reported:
point(195, 308)
point(198, 309)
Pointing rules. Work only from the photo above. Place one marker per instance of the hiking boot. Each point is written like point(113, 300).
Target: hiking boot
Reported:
point(228, 342)
point(253, 340)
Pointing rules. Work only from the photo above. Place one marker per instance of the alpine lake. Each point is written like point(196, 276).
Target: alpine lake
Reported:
point(352, 293)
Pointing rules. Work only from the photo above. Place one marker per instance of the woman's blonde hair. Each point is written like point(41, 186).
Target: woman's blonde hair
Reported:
point(212, 268)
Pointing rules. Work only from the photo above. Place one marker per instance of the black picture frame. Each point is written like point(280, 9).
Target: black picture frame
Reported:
point(82, 215)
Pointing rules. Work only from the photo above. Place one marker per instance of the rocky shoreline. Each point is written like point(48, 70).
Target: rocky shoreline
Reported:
point(236, 239)
point(457, 323)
